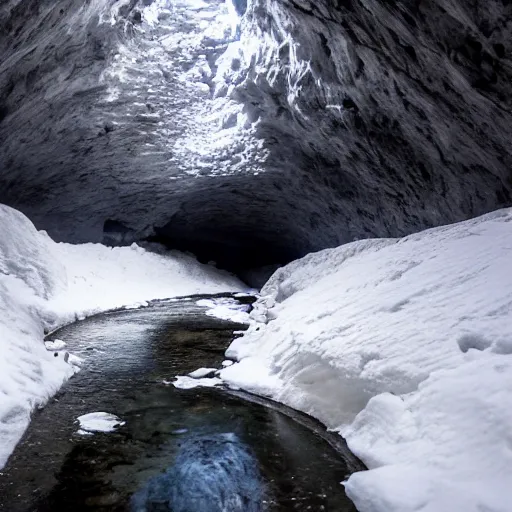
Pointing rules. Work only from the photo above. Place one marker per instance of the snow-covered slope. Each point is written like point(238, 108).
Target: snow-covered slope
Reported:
point(44, 285)
point(405, 347)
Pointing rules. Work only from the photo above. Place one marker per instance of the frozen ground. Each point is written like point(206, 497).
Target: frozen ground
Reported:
point(404, 346)
point(44, 285)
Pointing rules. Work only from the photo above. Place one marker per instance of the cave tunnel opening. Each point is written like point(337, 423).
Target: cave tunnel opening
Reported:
point(242, 237)
point(252, 257)
point(248, 226)
point(366, 166)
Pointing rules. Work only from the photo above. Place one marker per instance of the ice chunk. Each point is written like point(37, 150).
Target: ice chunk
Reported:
point(99, 422)
point(184, 382)
point(202, 372)
point(74, 360)
point(55, 345)
point(226, 309)
point(81, 432)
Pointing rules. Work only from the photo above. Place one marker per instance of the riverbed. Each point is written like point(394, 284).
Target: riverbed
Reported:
point(185, 450)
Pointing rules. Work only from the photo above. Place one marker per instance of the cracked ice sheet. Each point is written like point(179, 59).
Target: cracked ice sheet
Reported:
point(404, 347)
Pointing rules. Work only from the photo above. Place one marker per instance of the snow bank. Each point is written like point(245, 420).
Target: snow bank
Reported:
point(101, 278)
point(29, 374)
point(44, 285)
point(404, 347)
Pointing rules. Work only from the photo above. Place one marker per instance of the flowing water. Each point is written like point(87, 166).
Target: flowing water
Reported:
point(197, 450)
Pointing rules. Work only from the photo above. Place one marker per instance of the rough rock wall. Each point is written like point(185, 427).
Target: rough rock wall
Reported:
point(98, 102)
point(396, 115)
point(311, 124)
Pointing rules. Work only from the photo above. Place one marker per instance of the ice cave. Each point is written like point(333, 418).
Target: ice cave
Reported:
point(266, 245)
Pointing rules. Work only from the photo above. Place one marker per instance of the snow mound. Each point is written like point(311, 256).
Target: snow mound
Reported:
point(29, 374)
point(28, 255)
point(451, 441)
point(44, 285)
point(101, 278)
point(99, 422)
point(405, 347)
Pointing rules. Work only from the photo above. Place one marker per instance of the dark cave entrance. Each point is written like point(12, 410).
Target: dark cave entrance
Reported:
point(251, 256)
point(248, 227)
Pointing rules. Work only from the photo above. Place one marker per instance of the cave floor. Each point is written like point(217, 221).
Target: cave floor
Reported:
point(129, 357)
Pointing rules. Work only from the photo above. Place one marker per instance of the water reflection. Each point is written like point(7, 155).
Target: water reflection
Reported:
point(214, 473)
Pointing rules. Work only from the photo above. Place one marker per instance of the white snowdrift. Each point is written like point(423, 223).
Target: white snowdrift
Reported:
point(44, 285)
point(404, 347)
point(101, 278)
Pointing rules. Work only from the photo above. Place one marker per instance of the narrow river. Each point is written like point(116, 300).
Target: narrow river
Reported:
point(196, 450)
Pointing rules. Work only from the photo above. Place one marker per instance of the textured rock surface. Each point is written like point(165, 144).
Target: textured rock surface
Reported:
point(326, 121)
point(399, 113)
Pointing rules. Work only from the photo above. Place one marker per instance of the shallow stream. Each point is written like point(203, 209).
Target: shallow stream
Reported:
point(197, 450)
